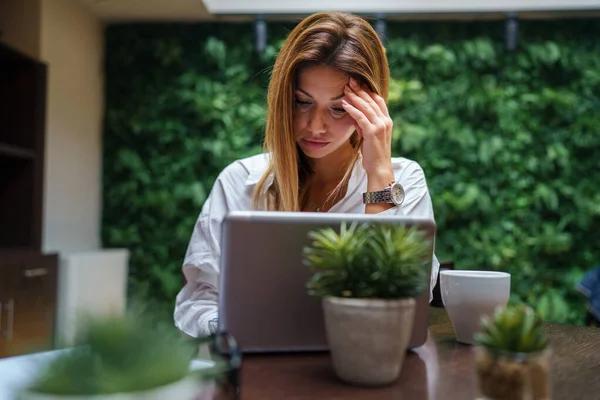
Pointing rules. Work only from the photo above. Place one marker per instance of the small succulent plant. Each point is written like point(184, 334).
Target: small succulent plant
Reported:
point(513, 358)
point(388, 261)
point(514, 329)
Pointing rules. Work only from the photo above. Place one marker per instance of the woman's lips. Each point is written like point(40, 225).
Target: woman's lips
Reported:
point(313, 145)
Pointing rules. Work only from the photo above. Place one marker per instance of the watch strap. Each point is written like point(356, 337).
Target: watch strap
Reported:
point(380, 196)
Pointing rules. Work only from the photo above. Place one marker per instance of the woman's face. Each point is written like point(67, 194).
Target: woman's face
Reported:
point(321, 126)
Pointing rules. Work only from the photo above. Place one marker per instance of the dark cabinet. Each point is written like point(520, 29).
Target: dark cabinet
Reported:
point(27, 302)
point(28, 278)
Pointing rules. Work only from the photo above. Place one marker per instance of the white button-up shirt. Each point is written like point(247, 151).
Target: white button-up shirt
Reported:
point(196, 303)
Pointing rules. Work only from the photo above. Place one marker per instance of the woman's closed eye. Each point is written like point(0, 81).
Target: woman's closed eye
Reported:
point(303, 104)
point(338, 110)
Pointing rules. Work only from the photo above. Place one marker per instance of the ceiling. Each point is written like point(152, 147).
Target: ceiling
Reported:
point(204, 10)
point(149, 10)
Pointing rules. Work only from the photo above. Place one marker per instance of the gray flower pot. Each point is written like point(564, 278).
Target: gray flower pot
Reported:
point(368, 338)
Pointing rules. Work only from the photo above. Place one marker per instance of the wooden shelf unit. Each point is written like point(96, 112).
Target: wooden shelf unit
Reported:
point(28, 278)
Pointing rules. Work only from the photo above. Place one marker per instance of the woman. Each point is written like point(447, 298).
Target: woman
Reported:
point(327, 148)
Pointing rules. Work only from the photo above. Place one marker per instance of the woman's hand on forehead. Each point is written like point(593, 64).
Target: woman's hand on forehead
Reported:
point(373, 123)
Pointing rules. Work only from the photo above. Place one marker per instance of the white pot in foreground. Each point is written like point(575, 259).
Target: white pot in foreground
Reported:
point(189, 388)
point(368, 338)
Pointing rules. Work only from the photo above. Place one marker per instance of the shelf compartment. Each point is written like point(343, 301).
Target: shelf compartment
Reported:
point(22, 100)
point(19, 200)
point(7, 150)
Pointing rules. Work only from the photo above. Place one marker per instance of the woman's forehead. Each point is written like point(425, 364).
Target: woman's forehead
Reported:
point(322, 80)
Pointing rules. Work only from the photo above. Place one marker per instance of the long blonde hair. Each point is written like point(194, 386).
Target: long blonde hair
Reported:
point(343, 41)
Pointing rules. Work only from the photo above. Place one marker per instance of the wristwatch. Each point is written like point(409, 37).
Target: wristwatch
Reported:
point(393, 194)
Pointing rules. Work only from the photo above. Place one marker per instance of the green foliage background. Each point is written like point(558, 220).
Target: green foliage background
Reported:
point(509, 141)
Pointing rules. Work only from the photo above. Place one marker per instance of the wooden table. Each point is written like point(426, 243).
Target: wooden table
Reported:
point(441, 369)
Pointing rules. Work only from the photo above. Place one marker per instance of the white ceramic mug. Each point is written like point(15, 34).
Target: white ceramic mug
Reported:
point(469, 295)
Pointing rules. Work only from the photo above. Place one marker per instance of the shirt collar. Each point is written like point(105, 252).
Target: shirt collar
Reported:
point(257, 169)
point(255, 175)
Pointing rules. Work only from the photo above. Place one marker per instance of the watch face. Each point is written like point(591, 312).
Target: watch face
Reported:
point(397, 194)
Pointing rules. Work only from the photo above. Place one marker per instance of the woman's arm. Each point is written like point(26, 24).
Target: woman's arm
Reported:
point(196, 303)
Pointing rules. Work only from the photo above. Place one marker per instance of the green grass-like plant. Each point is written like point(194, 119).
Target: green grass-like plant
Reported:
point(118, 354)
point(515, 329)
point(368, 261)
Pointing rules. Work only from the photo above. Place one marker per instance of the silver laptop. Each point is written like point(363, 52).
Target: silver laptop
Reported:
point(263, 300)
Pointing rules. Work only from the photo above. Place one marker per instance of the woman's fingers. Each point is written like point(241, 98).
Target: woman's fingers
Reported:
point(361, 104)
point(362, 92)
point(368, 110)
point(380, 103)
point(362, 122)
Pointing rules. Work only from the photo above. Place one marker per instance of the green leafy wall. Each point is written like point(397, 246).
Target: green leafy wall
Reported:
point(510, 143)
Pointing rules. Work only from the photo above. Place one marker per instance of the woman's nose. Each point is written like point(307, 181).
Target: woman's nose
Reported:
point(316, 122)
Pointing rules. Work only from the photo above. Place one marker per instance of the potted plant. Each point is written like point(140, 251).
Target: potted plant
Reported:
point(512, 356)
point(367, 276)
point(124, 358)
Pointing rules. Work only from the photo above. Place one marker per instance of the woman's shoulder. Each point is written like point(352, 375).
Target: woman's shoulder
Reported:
point(409, 173)
point(404, 165)
point(248, 170)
